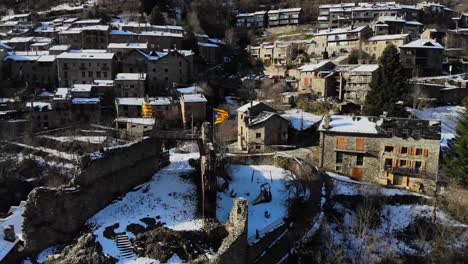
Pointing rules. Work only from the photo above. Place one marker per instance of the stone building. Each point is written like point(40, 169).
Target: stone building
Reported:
point(252, 20)
point(84, 67)
point(375, 45)
point(86, 110)
point(164, 108)
point(357, 85)
point(163, 69)
point(284, 17)
point(422, 57)
point(157, 40)
point(193, 108)
point(130, 84)
point(259, 127)
point(36, 68)
point(342, 40)
point(87, 37)
point(318, 79)
point(134, 127)
point(393, 151)
point(276, 53)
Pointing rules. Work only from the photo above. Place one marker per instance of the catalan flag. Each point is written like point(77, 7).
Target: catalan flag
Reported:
point(220, 115)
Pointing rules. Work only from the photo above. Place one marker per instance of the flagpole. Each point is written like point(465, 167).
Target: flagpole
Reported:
point(213, 124)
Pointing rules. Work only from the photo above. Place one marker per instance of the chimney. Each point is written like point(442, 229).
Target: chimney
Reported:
point(9, 233)
point(326, 123)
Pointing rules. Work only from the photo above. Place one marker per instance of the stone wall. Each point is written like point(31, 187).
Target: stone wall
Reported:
point(233, 250)
point(56, 215)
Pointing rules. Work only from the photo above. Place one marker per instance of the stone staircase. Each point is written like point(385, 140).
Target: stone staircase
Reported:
point(125, 247)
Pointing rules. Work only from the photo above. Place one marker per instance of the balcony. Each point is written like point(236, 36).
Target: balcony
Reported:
point(405, 171)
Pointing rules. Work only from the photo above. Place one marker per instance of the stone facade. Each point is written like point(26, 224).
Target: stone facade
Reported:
point(259, 126)
point(358, 83)
point(401, 156)
point(375, 46)
point(84, 68)
point(337, 41)
point(422, 57)
point(130, 85)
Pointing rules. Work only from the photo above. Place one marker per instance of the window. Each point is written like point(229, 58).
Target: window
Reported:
point(416, 134)
point(258, 135)
point(257, 146)
point(404, 150)
point(360, 160)
point(418, 152)
point(166, 70)
point(388, 149)
point(242, 131)
point(83, 74)
point(359, 144)
point(390, 132)
point(388, 162)
point(98, 74)
point(340, 142)
point(90, 74)
point(105, 74)
point(402, 163)
point(417, 165)
point(339, 158)
point(404, 133)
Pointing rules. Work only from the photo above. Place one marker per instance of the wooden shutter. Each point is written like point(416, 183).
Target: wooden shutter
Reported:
point(340, 143)
point(425, 152)
point(405, 181)
point(359, 144)
point(400, 150)
point(306, 81)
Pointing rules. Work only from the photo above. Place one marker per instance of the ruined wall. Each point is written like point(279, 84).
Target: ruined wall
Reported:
point(55, 215)
point(233, 250)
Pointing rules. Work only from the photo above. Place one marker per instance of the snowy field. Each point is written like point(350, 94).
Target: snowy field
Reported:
point(242, 186)
point(168, 195)
point(384, 239)
point(301, 120)
point(448, 115)
point(85, 139)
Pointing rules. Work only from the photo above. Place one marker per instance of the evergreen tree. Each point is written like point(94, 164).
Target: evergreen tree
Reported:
point(457, 164)
point(388, 86)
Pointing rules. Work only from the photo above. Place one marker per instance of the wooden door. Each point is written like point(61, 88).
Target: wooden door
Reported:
point(340, 143)
point(356, 173)
point(359, 144)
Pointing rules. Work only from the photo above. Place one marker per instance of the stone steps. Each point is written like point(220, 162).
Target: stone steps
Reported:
point(125, 247)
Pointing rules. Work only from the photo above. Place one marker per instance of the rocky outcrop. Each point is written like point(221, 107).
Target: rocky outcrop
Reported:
point(84, 251)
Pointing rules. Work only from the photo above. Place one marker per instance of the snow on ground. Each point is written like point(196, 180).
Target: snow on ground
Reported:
point(301, 120)
point(16, 220)
point(242, 186)
point(167, 195)
point(43, 255)
point(394, 219)
point(86, 139)
point(144, 260)
point(448, 115)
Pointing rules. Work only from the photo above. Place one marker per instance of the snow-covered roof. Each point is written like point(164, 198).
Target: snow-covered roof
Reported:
point(337, 31)
point(88, 21)
point(60, 47)
point(161, 33)
point(366, 68)
point(46, 58)
point(103, 82)
point(122, 32)
point(61, 93)
point(86, 56)
point(190, 90)
point(207, 45)
point(82, 88)
point(138, 121)
point(388, 37)
point(350, 124)
point(127, 46)
point(16, 220)
point(300, 119)
point(45, 94)
point(139, 101)
point(246, 107)
point(216, 41)
point(130, 76)
point(5, 46)
point(296, 9)
point(423, 43)
point(313, 67)
point(194, 98)
point(39, 105)
point(262, 117)
point(79, 100)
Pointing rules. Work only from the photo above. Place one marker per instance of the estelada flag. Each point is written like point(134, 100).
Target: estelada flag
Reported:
point(220, 115)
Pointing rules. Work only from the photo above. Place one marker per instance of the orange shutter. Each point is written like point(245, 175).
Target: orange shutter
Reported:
point(306, 81)
point(423, 165)
point(410, 151)
point(405, 181)
point(395, 163)
point(425, 152)
point(359, 144)
point(400, 150)
point(340, 142)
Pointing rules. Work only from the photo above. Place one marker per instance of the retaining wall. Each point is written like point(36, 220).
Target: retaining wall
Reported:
point(56, 215)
